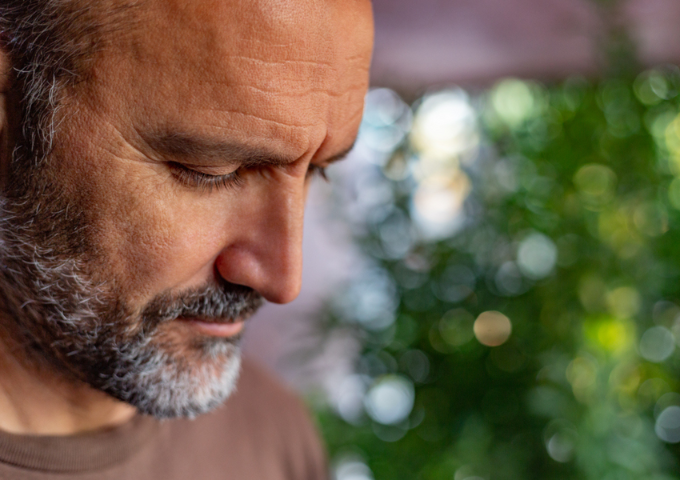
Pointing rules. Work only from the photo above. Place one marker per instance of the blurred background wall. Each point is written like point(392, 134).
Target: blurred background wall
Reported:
point(472, 42)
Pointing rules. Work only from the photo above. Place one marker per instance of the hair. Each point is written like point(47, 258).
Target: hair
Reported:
point(63, 309)
point(51, 45)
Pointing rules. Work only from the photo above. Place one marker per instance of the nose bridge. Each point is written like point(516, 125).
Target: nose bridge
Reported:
point(282, 227)
point(267, 256)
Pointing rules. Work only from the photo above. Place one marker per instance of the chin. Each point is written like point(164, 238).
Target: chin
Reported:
point(165, 386)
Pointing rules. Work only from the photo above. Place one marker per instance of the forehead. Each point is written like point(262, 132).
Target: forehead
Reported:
point(286, 71)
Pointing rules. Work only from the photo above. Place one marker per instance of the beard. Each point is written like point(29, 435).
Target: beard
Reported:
point(65, 315)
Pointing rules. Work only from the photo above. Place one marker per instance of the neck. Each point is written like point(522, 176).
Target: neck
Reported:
point(38, 402)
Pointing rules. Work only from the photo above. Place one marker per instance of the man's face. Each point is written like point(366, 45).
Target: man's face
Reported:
point(181, 169)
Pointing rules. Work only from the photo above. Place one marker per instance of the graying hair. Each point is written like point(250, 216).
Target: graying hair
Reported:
point(62, 320)
point(59, 317)
point(51, 44)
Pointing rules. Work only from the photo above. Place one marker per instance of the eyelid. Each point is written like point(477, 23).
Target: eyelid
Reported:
point(210, 170)
point(204, 181)
point(192, 178)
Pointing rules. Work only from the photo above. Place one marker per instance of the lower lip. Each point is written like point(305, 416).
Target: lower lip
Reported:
point(215, 329)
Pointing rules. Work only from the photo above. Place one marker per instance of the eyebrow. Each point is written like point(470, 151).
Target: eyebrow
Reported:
point(197, 148)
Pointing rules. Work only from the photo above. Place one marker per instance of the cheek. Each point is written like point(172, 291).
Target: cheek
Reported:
point(151, 237)
point(155, 244)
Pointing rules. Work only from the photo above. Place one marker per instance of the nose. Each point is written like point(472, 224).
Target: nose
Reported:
point(266, 251)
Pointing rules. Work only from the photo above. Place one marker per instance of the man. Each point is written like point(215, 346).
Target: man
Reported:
point(155, 160)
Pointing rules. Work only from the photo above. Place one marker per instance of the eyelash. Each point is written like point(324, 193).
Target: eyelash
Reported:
point(316, 170)
point(203, 181)
point(207, 182)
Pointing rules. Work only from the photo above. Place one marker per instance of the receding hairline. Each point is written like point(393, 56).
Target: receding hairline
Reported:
point(51, 45)
point(98, 23)
point(63, 35)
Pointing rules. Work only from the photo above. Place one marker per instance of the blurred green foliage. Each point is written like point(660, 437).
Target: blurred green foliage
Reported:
point(570, 228)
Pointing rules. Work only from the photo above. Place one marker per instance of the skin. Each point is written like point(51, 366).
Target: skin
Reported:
point(271, 89)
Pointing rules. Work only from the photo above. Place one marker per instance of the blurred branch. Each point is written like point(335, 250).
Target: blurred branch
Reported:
point(616, 46)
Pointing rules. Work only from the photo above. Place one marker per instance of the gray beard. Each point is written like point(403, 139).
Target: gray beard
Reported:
point(69, 324)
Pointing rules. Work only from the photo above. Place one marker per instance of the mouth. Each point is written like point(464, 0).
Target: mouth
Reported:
point(216, 327)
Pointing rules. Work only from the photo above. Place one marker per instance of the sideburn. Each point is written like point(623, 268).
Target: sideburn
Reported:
point(44, 245)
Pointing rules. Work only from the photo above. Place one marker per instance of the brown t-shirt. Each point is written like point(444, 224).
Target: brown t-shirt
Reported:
point(263, 432)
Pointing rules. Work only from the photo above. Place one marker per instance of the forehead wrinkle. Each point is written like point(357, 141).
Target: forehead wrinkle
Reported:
point(204, 45)
point(285, 84)
point(282, 78)
point(289, 33)
point(224, 123)
point(287, 61)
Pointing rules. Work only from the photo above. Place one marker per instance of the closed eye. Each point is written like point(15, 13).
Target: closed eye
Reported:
point(204, 181)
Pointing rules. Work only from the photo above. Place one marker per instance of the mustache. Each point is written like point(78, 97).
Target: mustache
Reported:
point(221, 301)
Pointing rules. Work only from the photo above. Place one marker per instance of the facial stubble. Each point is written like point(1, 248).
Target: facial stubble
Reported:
point(69, 318)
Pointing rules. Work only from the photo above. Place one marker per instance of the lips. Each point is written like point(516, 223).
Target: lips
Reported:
point(216, 327)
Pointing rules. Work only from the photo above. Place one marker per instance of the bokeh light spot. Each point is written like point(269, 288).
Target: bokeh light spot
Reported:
point(416, 364)
point(514, 101)
point(536, 256)
point(385, 122)
point(596, 184)
point(657, 344)
point(651, 390)
point(509, 279)
point(370, 300)
point(624, 302)
point(492, 328)
point(467, 472)
point(352, 468)
point(456, 327)
point(651, 219)
point(672, 141)
point(390, 399)
point(651, 87)
point(348, 398)
point(674, 193)
point(438, 204)
point(612, 335)
point(667, 425)
point(445, 125)
point(582, 374)
point(560, 440)
point(592, 291)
